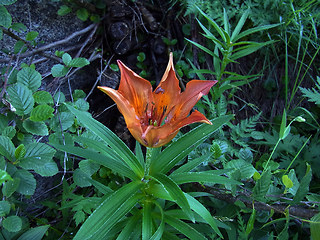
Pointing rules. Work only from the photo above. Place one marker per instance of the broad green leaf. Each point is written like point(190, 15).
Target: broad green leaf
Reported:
point(41, 113)
point(39, 158)
point(179, 149)
point(89, 167)
point(315, 226)
point(43, 97)
point(36, 128)
point(82, 104)
point(31, 35)
point(175, 192)
point(184, 228)
point(66, 58)
point(30, 78)
point(19, 27)
point(4, 176)
point(27, 184)
point(203, 212)
point(246, 155)
point(79, 62)
point(58, 70)
point(64, 10)
point(12, 223)
point(304, 186)
point(61, 121)
point(7, 148)
point(81, 178)
point(5, 17)
point(109, 161)
point(246, 169)
point(287, 181)
point(82, 14)
point(110, 212)
point(9, 131)
point(10, 187)
point(21, 98)
point(111, 139)
point(262, 185)
point(4, 208)
point(209, 177)
point(36, 233)
point(7, 2)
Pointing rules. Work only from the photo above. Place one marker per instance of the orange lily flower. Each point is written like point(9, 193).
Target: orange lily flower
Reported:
point(155, 117)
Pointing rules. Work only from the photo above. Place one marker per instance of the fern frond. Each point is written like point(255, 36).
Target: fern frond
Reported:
point(312, 94)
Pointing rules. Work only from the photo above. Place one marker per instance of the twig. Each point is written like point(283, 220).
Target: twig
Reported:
point(54, 44)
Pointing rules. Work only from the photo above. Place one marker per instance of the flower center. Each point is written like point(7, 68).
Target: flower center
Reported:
point(152, 116)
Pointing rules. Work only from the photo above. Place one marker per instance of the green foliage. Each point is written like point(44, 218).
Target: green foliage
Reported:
point(313, 95)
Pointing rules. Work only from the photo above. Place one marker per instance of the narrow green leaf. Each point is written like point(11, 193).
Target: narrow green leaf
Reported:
point(30, 78)
point(146, 220)
point(158, 234)
point(36, 233)
point(184, 228)
point(131, 224)
point(110, 212)
point(179, 149)
point(208, 177)
point(175, 192)
point(21, 98)
point(203, 212)
point(111, 139)
point(191, 164)
point(239, 26)
point(108, 161)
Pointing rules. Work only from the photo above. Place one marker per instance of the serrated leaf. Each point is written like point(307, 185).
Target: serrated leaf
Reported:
point(30, 78)
point(59, 70)
point(5, 17)
point(39, 158)
point(21, 98)
point(19, 27)
point(246, 154)
point(6, 148)
point(246, 169)
point(79, 62)
point(61, 121)
point(262, 185)
point(27, 184)
point(66, 58)
point(31, 35)
point(37, 128)
point(304, 186)
point(82, 105)
point(12, 224)
point(20, 151)
point(41, 113)
point(10, 187)
point(82, 14)
point(315, 226)
point(36, 233)
point(79, 217)
point(43, 97)
point(9, 131)
point(4, 208)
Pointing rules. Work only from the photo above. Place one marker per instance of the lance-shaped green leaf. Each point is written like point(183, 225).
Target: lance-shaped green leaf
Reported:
point(262, 186)
point(304, 186)
point(179, 149)
point(117, 205)
point(209, 177)
point(36, 233)
point(111, 139)
point(130, 225)
point(146, 220)
point(184, 228)
point(175, 192)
